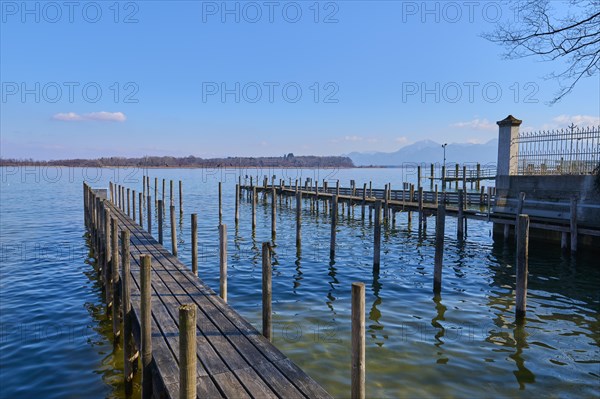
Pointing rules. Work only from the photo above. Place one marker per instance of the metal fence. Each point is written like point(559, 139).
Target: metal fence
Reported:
point(570, 151)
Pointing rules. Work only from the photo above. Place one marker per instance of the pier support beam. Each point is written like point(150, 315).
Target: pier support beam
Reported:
point(187, 351)
point(440, 226)
point(223, 260)
point(522, 266)
point(358, 341)
point(266, 291)
point(146, 327)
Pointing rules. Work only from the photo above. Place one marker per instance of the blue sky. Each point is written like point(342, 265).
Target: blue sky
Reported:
point(182, 78)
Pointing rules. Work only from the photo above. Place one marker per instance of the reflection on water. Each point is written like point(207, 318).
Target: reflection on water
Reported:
point(464, 343)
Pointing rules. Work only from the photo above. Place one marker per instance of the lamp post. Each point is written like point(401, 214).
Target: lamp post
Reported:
point(444, 147)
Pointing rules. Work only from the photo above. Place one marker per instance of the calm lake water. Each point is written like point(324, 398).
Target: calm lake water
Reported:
point(55, 340)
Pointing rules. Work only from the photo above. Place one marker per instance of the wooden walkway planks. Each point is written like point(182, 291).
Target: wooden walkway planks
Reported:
point(234, 359)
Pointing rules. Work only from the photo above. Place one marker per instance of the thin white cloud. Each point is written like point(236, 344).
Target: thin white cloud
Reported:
point(563, 121)
point(477, 124)
point(69, 116)
point(580, 120)
point(353, 138)
point(101, 116)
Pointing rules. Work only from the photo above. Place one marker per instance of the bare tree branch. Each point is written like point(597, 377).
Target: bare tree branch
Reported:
point(571, 35)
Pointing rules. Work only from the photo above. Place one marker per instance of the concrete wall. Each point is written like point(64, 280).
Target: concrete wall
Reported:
point(555, 192)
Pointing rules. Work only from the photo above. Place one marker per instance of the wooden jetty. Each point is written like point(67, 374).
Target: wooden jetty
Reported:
point(464, 205)
point(190, 341)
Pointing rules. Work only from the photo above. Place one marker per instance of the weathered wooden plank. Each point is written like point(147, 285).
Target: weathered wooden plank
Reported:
point(254, 367)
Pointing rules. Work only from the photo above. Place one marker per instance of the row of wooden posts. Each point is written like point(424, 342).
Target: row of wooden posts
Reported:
point(121, 199)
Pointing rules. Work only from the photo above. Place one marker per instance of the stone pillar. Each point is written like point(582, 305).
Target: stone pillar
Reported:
point(508, 150)
point(508, 162)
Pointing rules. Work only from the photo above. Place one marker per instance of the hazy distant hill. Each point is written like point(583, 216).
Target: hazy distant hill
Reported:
point(427, 151)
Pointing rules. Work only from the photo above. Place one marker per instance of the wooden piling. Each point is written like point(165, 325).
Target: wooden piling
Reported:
point(128, 202)
point(456, 176)
point(220, 202)
point(464, 178)
point(187, 351)
point(431, 173)
point(114, 282)
point(573, 224)
point(273, 213)
point(420, 205)
point(149, 209)
point(460, 221)
point(440, 225)
point(266, 291)
point(109, 274)
point(334, 204)
point(237, 204)
point(299, 219)
point(133, 198)
point(163, 192)
point(126, 309)
point(195, 244)
point(443, 177)
point(141, 208)
point(364, 201)
point(173, 231)
point(358, 341)
point(253, 208)
point(377, 237)
point(223, 260)
point(160, 222)
point(180, 197)
point(156, 191)
point(522, 266)
point(146, 324)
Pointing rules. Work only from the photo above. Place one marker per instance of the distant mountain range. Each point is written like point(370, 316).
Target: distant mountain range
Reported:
point(428, 151)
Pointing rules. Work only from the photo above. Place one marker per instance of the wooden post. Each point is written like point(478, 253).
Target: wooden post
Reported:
point(334, 214)
point(146, 324)
point(180, 197)
point(478, 183)
point(440, 225)
point(223, 260)
point(220, 202)
point(358, 341)
point(522, 266)
point(160, 222)
point(464, 179)
point(253, 208)
point(273, 213)
point(431, 178)
point(364, 201)
point(128, 202)
point(377, 237)
point(443, 177)
point(127, 322)
point(456, 176)
point(460, 220)
point(114, 282)
point(418, 177)
point(170, 192)
point(299, 219)
point(385, 203)
point(114, 245)
point(187, 351)
point(163, 192)
point(519, 209)
point(156, 191)
point(370, 189)
point(173, 231)
point(106, 252)
point(195, 244)
point(133, 198)
point(141, 208)
point(573, 224)
point(149, 209)
point(237, 204)
point(266, 291)
point(420, 204)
